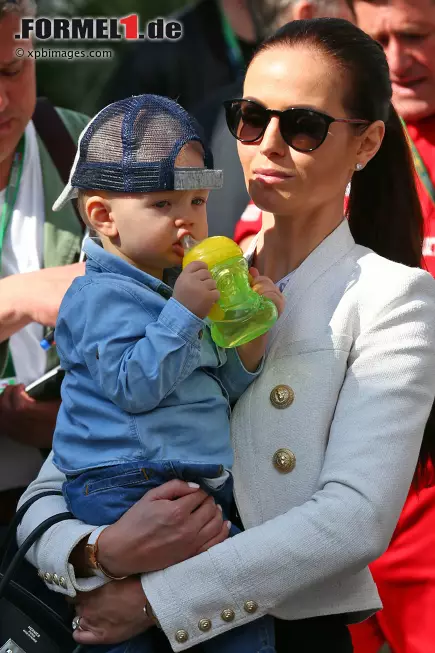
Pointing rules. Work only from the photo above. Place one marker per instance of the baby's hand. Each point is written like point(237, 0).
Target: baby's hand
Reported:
point(265, 286)
point(196, 289)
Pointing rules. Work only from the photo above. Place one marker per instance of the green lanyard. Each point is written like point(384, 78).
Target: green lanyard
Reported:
point(6, 216)
point(420, 166)
point(234, 50)
point(12, 191)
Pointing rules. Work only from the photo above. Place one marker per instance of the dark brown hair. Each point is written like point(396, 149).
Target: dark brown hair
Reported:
point(384, 210)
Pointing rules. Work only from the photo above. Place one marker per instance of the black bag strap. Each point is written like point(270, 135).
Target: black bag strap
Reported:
point(29, 541)
point(9, 540)
point(58, 141)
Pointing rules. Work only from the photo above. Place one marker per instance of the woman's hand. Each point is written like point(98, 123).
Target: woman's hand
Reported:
point(111, 614)
point(168, 525)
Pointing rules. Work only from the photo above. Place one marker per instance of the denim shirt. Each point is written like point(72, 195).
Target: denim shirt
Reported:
point(143, 378)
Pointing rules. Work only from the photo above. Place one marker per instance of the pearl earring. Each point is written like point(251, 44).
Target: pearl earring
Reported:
point(359, 167)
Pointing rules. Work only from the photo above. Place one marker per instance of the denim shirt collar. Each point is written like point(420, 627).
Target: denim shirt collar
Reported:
point(98, 260)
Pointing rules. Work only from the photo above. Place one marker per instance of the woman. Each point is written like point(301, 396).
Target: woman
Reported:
point(327, 439)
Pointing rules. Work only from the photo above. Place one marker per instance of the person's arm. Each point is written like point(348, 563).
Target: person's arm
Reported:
point(373, 446)
point(135, 359)
point(169, 524)
point(244, 363)
point(50, 555)
point(34, 297)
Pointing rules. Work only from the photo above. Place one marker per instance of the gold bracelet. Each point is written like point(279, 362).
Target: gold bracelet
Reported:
point(92, 557)
point(151, 614)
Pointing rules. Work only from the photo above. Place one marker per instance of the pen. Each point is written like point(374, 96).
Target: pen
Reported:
point(48, 342)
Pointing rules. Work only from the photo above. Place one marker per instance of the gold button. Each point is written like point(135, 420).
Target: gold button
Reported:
point(204, 625)
point(250, 607)
point(48, 577)
point(228, 615)
point(282, 396)
point(181, 636)
point(55, 579)
point(284, 460)
point(62, 582)
point(41, 574)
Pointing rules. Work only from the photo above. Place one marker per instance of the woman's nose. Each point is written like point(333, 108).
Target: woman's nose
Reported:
point(272, 142)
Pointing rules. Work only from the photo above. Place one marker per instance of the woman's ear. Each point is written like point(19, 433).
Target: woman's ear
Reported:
point(100, 216)
point(370, 142)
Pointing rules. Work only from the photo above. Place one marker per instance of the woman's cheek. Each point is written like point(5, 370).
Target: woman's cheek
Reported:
point(246, 155)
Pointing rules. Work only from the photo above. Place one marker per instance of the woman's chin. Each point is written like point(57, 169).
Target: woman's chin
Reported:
point(269, 200)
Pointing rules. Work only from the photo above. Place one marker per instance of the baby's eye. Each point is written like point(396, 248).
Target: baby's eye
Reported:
point(198, 201)
point(162, 204)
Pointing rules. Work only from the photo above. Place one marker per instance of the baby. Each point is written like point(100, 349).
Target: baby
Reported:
point(146, 396)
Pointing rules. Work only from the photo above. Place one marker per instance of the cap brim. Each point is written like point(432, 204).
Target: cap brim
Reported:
point(184, 179)
point(197, 178)
point(68, 193)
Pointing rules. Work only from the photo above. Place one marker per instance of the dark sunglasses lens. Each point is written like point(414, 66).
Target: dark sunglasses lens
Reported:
point(246, 120)
point(303, 130)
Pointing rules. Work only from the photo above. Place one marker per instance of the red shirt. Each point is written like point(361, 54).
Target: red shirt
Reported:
point(423, 135)
point(405, 573)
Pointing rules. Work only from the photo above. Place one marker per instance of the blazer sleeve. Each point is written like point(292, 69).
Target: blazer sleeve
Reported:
point(50, 554)
point(374, 441)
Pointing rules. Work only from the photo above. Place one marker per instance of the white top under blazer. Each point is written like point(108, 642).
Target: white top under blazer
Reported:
point(355, 352)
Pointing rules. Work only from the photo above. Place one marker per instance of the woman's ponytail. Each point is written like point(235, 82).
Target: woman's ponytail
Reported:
point(384, 210)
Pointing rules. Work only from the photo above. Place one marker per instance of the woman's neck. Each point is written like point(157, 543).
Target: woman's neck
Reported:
point(286, 241)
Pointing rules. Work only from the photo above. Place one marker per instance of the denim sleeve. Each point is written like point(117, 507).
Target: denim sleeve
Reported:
point(135, 359)
point(234, 376)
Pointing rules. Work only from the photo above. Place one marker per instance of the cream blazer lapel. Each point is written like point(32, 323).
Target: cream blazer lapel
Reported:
point(334, 248)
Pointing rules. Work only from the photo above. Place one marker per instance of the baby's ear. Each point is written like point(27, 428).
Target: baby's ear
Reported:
point(99, 212)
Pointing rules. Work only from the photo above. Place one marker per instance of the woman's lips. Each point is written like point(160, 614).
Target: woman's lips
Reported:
point(270, 176)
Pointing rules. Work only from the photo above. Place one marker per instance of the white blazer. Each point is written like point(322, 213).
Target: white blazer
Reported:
point(326, 442)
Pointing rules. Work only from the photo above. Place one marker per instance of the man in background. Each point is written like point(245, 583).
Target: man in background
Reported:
point(31, 238)
point(405, 574)
point(218, 39)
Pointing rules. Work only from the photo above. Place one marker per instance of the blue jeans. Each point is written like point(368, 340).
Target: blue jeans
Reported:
point(101, 496)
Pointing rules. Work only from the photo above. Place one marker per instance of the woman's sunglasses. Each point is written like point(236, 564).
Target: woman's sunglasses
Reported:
point(303, 129)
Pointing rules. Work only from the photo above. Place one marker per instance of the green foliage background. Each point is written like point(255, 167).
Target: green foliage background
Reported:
point(77, 84)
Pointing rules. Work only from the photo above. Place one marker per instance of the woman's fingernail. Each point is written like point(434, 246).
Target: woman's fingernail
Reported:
point(220, 507)
point(193, 485)
point(229, 525)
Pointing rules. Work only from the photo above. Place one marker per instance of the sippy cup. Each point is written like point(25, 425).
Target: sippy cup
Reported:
point(241, 314)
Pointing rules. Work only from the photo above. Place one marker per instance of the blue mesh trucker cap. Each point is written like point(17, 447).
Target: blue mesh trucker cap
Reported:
point(130, 146)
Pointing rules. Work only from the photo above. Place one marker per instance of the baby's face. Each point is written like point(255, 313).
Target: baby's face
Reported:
point(151, 226)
